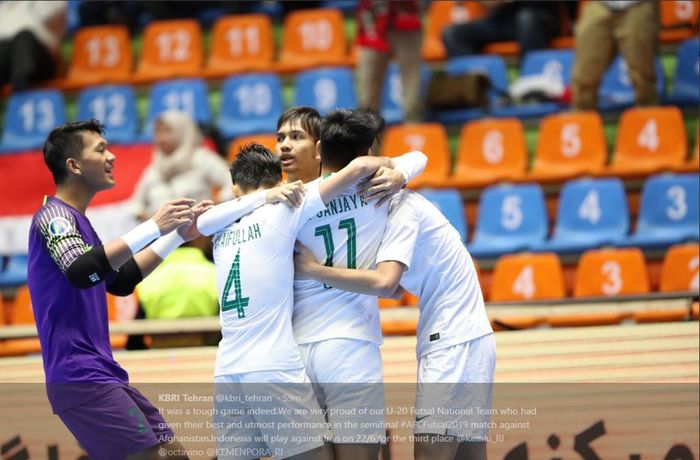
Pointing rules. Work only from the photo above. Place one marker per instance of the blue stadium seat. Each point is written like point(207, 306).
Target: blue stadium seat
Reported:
point(185, 95)
point(250, 104)
point(668, 212)
point(616, 91)
point(30, 116)
point(326, 88)
point(591, 213)
point(492, 65)
point(346, 6)
point(15, 273)
point(686, 83)
point(511, 218)
point(115, 106)
point(449, 202)
point(392, 96)
point(556, 66)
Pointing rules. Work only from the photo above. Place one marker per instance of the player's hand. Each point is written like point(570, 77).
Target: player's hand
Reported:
point(188, 232)
point(291, 194)
point(385, 183)
point(304, 261)
point(173, 214)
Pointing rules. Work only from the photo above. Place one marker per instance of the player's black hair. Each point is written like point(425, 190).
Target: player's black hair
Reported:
point(309, 119)
point(347, 134)
point(64, 142)
point(254, 167)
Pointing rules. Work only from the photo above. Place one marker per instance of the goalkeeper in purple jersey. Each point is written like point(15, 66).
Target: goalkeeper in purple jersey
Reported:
point(70, 271)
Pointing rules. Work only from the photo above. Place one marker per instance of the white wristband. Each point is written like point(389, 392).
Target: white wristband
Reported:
point(141, 236)
point(164, 245)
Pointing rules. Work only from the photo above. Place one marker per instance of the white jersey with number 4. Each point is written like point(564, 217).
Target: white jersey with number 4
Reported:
point(439, 271)
point(347, 234)
point(254, 260)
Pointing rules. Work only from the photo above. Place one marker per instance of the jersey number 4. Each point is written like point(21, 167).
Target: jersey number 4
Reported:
point(234, 280)
point(325, 232)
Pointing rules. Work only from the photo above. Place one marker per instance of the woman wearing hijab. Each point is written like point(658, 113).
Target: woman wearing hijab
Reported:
point(181, 166)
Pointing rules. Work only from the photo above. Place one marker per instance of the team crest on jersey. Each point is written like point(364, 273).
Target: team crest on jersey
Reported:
point(59, 226)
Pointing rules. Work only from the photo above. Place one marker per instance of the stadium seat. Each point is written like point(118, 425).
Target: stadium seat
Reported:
point(185, 95)
point(555, 66)
point(29, 117)
point(511, 218)
point(490, 150)
point(15, 272)
point(429, 138)
point(679, 19)
point(450, 204)
point(325, 89)
point(101, 54)
point(313, 38)
point(649, 139)
point(616, 91)
point(611, 272)
point(569, 145)
point(170, 49)
point(686, 82)
point(250, 103)
point(525, 277)
point(115, 106)
point(591, 213)
point(679, 271)
point(441, 15)
point(668, 212)
point(268, 140)
point(392, 94)
point(241, 44)
point(491, 65)
point(20, 313)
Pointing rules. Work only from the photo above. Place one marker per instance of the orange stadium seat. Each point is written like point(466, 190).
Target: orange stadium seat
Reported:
point(170, 49)
point(611, 272)
point(429, 138)
point(21, 313)
point(649, 140)
point(268, 140)
point(241, 44)
point(101, 54)
point(490, 150)
point(679, 19)
point(525, 277)
point(3, 321)
point(679, 271)
point(693, 164)
point(569, 145)
point(440, 15)
point(313, 38)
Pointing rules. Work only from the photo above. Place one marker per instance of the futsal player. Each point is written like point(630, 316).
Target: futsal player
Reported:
point(258, 351)
point(69, 273)
point(423, 253)
point(339, 332)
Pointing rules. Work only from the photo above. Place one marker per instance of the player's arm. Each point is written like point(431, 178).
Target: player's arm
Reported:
point(382, 281)
point(144, 262)
point(224, 214)
point(388, 181)
point(86, 266)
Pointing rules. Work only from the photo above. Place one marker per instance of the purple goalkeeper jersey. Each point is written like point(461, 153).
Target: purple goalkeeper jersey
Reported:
point(72, 322)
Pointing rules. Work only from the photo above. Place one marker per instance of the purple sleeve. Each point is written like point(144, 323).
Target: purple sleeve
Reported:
point(64, 241)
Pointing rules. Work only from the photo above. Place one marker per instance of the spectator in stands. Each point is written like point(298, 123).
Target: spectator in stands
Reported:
point(605, 27)
point(181, 166)
point(389, 29)
point(30, 36)
point(530, 23)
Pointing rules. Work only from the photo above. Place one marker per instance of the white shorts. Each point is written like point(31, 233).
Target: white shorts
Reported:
point(455, 390)
point(348, 380)
point(267, 413)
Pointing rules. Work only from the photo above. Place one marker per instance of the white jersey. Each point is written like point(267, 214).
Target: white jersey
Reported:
point(254, 259)
point(347, 234)
point(439, 271)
